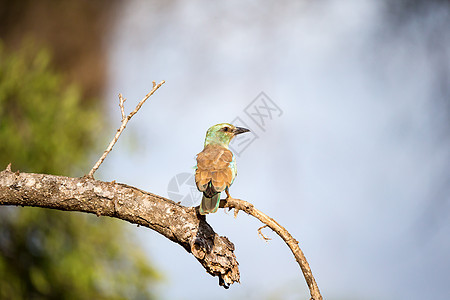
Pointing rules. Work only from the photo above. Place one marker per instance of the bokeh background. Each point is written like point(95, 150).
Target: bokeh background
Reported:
point(355, 164)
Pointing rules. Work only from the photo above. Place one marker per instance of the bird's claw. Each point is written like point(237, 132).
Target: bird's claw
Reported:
point(228, 193)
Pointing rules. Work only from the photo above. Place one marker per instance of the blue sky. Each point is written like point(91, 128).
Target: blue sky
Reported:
point(352, 167)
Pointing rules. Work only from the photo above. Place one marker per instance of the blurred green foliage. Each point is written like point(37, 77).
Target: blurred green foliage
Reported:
point(46, 254)
point(43, 127)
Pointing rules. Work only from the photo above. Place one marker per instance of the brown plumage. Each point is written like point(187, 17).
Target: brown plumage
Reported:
point(216, 167)
point(213, 165)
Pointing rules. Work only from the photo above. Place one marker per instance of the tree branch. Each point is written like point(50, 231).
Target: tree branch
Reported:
point(247, 207)
point(123, 125)
point(182, 225)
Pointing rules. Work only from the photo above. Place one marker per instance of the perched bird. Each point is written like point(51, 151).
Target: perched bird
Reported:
point(216, 165)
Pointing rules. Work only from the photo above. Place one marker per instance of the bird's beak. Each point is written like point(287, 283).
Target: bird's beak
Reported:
point(239, 130)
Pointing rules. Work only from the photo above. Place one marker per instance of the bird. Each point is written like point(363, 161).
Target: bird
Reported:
point(216, 165)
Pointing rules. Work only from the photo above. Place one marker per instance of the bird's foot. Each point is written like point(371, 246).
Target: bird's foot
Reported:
point(236, 210)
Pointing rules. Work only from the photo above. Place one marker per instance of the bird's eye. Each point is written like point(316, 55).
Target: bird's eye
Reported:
point(226, 129)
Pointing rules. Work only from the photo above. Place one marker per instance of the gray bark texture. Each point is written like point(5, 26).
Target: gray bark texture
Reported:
point(182, 225)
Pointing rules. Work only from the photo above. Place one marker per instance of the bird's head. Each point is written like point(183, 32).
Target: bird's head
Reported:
point(222, 134)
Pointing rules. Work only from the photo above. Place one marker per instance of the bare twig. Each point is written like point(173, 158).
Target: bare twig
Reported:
point(123, 125)
point(263, 237)
point(122, 108)
point(247, 207)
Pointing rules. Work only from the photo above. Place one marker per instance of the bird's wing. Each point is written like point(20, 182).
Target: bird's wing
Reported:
point(213, 165)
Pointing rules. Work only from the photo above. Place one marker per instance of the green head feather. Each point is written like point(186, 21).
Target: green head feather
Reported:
point(222, 134)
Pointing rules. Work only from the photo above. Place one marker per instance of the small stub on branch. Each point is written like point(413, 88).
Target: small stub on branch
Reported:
point(122, 108)
point(262, 236)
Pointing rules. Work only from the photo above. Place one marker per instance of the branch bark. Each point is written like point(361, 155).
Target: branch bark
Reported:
point(247, 207)
point(182, 225)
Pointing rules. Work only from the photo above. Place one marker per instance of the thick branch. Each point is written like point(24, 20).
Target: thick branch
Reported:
point(181, 225)
point(283, 233)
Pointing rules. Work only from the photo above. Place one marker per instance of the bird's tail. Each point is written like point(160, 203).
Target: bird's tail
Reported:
point(209, 205)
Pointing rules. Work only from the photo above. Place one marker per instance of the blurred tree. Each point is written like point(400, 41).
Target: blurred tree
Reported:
point(48, 254)
point(75, 31)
